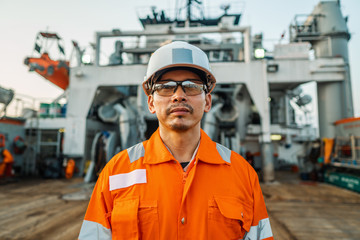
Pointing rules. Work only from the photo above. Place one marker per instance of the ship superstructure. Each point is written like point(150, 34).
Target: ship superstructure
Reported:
point(254, 101)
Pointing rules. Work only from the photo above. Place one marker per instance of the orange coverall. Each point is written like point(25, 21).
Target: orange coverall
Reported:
point(143, 193)
point(5, 165)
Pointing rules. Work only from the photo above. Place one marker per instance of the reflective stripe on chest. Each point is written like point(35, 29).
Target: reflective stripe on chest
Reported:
point(124, 180)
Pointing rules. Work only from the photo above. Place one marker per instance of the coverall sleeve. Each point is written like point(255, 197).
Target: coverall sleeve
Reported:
point(8, 158)
point(96, 224)
point(260, 228)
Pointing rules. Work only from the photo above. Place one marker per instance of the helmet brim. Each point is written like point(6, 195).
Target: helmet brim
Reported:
point(209, 77)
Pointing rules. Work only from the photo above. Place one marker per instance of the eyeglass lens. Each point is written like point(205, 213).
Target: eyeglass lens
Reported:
point(168, 88)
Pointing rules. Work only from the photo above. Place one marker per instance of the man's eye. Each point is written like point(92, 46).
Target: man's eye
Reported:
point(197, 82)
point(167, 86)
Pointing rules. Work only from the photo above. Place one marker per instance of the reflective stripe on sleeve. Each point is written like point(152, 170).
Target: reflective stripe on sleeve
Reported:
point(224, 152)
point(94, 231)
point(261, 231)
point(124, 180)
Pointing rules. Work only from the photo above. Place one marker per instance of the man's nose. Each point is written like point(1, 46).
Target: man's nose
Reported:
point(179, 95)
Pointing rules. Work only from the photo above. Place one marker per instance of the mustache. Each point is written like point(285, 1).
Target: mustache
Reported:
point(179, 105)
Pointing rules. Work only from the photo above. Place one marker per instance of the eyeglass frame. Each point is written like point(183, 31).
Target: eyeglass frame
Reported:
point(180, 83)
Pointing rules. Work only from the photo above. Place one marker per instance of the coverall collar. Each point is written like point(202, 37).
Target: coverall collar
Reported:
point(207, 151)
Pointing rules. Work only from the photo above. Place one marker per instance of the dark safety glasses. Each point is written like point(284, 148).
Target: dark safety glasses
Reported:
point(191, 87)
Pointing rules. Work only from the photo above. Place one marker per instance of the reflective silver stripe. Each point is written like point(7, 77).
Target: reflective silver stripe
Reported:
point(261, 231)
point(94, 231)
point(135, 152)
point(224, 152)
point(182, 55)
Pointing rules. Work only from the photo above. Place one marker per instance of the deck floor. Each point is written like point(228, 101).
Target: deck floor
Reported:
point(311, 210)
point(36, 209)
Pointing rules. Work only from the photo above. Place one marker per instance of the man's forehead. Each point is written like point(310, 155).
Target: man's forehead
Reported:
point(179, 74)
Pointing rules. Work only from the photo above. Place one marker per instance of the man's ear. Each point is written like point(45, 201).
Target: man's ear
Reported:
point(207, 102)
point(151, 104)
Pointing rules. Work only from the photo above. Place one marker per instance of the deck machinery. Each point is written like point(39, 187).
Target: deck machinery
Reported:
point(255, 101)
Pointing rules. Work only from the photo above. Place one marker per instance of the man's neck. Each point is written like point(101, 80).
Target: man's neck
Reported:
point(181, 144)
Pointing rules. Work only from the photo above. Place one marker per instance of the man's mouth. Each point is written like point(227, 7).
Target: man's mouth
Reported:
point(179, 110)
point(183, 108)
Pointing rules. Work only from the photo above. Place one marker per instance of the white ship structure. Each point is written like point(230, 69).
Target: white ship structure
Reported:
point(255, 102)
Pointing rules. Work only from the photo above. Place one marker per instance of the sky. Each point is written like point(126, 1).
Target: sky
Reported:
point(21, 20)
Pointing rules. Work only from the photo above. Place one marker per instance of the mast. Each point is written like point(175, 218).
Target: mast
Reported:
point(188, 17)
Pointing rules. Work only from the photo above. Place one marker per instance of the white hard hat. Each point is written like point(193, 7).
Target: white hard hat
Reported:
point(178, 54)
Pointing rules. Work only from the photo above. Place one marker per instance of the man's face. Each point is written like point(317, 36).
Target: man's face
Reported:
point(179, 112)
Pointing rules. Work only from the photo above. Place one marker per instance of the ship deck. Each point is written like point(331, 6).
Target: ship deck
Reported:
point(301, 210)
point(53, 209)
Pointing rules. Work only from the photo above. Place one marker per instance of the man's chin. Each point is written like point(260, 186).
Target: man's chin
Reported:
point(179, 127)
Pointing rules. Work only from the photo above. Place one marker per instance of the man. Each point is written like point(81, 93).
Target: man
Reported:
point(179, 184)
point(6, 161)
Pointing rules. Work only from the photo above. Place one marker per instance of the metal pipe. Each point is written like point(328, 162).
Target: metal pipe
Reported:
point(171, 31)
point(267, 158)
point(210, 123)
point(124, 123)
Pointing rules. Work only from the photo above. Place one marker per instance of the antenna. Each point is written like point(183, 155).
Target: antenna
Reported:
point(225, 7)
